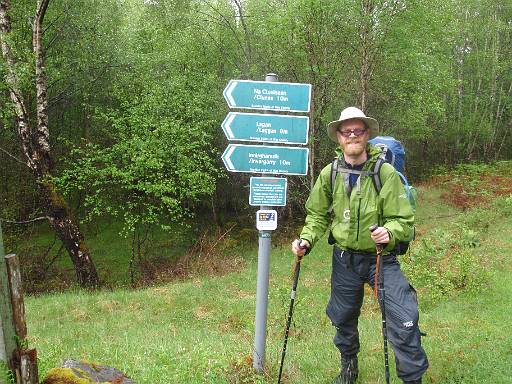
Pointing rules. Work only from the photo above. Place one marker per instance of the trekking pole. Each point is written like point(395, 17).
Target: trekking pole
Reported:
point(379, 279)
point(290, 311)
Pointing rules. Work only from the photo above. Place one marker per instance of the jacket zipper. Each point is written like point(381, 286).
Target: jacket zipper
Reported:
point(358, 206)
point(358, 219)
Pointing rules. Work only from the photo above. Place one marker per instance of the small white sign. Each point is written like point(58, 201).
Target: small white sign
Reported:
point(266, 220)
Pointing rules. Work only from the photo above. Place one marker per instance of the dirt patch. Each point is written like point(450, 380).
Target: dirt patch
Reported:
point(190, 265)
point(213, 254)
point(465, 192)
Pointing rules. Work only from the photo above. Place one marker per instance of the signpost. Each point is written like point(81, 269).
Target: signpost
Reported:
point(266, 128)
point(266, 159)
point(270, 96)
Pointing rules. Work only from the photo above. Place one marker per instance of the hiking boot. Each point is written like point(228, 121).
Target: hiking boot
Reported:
point(413, 381)
point(349, 371)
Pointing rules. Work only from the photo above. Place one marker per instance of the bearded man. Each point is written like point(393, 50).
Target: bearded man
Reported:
point(356, 205)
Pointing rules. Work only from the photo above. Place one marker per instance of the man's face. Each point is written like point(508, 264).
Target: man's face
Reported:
point(352, 136)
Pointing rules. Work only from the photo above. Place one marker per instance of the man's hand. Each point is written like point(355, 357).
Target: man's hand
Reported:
point(300, 247)
point(380, 235)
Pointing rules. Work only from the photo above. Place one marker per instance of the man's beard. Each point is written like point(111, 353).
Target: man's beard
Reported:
point(354, 148)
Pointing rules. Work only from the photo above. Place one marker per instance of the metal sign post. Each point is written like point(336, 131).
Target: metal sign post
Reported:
point(268, 95)
point(260, 325)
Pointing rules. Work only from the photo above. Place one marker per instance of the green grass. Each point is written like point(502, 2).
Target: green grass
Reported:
point(432, 208)
point(110, 249)
point(201, 330)
point(470, 334)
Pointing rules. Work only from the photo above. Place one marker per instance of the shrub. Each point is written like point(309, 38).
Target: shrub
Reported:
point(450, 260)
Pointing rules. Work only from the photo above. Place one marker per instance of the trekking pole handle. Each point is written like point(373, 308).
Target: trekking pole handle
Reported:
point(306, 248)
point(300, 242)
point(372, 229)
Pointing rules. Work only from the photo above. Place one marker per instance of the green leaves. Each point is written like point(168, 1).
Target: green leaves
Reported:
point(158, 164)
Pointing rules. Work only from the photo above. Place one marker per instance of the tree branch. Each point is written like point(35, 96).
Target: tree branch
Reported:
point(41, 11)
point(25, 221)
point(14, 157)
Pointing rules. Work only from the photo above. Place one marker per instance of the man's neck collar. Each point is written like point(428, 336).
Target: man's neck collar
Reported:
point(354, 161)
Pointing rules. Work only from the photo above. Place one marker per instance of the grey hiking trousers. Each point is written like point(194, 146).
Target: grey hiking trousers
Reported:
point(350, 270)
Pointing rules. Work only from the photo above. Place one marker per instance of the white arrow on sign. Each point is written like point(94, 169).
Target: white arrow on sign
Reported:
point(227, 155)
point(227, 125)
point(230, 89)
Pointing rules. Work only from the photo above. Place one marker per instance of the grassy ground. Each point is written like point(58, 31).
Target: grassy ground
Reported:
point(201, 330)
point(111, 252)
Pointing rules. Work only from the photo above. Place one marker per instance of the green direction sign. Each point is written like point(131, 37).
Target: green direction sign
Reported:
point(269, 191)
point(266, 159)
point(248, 94)
point(266, 128)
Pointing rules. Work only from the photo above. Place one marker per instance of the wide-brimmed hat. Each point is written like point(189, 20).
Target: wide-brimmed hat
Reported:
point(351, 113)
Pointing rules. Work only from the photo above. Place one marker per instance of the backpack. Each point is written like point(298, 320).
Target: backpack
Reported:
point(393, 153)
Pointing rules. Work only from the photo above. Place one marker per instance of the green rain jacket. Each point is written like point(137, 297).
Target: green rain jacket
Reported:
point(353, 215)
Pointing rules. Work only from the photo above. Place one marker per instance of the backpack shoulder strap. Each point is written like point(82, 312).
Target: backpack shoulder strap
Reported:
point(377, 181)
point(339, 166)
point(334, 172)
point(382, 171)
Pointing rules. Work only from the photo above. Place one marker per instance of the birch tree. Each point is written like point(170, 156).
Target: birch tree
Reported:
point(34, 138)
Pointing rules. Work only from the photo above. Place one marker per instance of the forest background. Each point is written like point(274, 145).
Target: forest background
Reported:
point(132, 94)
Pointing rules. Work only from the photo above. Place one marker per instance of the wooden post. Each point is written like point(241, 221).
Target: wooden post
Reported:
point(25, 364)
point(8, 345)
point(14, 356)
point(28, 367)
point(17, 303)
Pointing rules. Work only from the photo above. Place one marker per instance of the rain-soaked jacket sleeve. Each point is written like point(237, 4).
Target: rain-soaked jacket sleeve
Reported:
point(317, 207)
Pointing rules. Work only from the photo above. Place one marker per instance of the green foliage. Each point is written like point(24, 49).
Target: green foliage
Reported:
point(22, 343)
point(159, 160)
point(6, 375)
point(151, 170)
point(450, 259)
point(473, 170)
point(478, 181)
point(505, 206)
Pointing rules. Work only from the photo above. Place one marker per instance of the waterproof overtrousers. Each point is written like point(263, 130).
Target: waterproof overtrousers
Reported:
point(350, 270)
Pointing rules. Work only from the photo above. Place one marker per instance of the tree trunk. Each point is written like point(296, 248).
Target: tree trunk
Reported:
point(68, 231)
point(36, 145)
point(365, 34)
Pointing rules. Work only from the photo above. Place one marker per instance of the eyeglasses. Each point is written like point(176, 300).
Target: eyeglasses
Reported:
point(356, 132)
